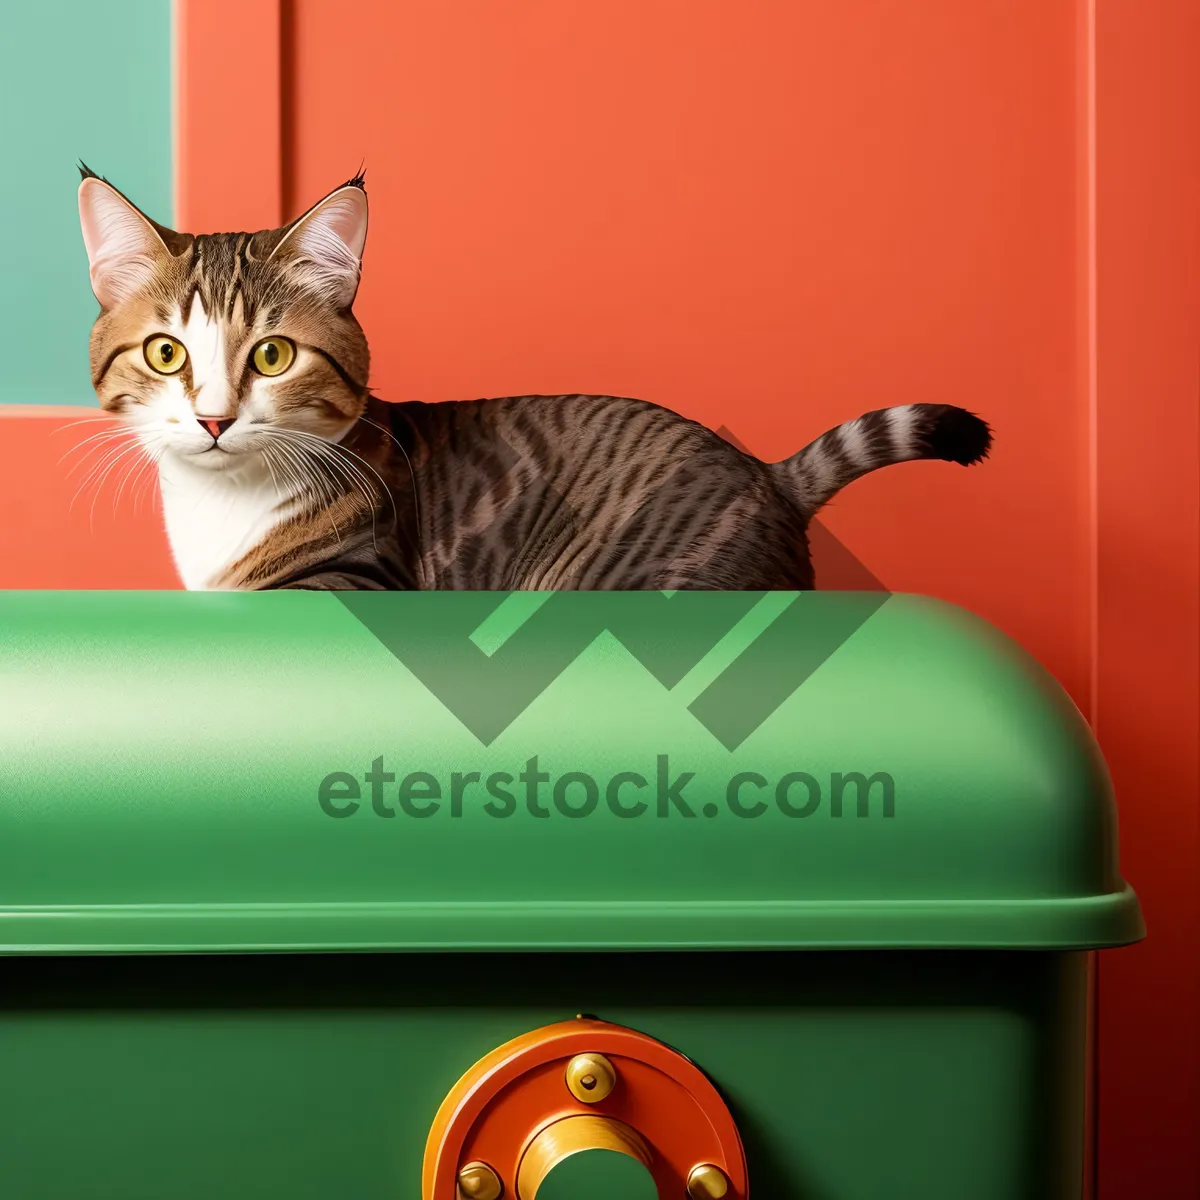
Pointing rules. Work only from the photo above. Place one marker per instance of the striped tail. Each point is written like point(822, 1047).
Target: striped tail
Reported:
point(878, 439)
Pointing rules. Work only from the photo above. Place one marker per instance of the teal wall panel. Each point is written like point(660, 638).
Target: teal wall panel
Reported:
point(77, 80)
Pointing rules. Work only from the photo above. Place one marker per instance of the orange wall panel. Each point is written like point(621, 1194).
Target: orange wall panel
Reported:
point(66, 526)
point(771, 216)
point(228, 96)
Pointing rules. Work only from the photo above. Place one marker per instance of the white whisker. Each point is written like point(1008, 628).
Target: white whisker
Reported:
point(85, 421)
point(306, 469)
point(347, 462)
point(351, 474)
point(91, 443)
point(108, 470)
point(96, 470)
point(412, 474)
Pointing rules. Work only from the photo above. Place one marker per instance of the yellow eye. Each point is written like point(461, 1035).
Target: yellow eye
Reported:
point(164, 354)
point(273, 356)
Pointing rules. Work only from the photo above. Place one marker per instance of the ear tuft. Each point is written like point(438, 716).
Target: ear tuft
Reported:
point(123, 247)
point(325, 246)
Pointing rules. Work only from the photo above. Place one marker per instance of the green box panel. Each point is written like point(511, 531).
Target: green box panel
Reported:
point(853, 1076)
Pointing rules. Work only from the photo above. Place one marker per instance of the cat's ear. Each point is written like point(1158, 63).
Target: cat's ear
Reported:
point(326, 244)
point(123, 246)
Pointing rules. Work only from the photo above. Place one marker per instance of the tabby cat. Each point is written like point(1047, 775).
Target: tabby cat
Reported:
point(236, 362)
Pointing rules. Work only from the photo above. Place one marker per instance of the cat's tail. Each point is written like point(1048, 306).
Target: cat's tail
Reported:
point(878, 439)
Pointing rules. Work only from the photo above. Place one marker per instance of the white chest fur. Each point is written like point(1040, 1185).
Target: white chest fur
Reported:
point(215, 517)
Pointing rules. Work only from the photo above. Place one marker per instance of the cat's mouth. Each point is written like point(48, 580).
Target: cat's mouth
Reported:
point(213, 458)
point(212, 453)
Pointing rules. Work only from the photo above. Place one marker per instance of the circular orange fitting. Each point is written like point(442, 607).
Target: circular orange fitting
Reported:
point(560, 1139)
point(581, 1085)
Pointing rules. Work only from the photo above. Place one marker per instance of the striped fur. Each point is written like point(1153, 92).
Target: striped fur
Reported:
point(877, 439)
point(306, 480)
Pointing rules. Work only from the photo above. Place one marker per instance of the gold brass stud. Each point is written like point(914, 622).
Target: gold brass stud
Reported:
point(706, 1182)
point(590, 1078)
point(477, 1181)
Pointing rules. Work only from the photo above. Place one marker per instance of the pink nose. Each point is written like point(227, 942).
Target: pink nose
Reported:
point(215, 426)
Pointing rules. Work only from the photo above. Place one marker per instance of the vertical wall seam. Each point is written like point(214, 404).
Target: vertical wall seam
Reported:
point(177, 67)
point(1087, 315)
point(287, 61)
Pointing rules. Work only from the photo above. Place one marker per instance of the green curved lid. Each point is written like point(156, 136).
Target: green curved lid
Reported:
point(191, 771)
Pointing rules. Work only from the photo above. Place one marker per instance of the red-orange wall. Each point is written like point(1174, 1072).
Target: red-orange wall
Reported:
point(773, 215)
point(66, 521)
point(1147, 589)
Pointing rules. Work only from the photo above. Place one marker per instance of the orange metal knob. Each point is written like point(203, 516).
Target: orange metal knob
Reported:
point(581, 1085)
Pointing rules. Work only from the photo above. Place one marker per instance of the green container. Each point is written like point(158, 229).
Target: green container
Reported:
point(271, 881)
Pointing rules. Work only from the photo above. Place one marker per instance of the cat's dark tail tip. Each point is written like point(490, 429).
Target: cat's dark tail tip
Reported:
point(959, 436)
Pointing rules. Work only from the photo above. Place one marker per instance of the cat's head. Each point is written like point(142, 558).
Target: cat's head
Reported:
point(215, 347)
